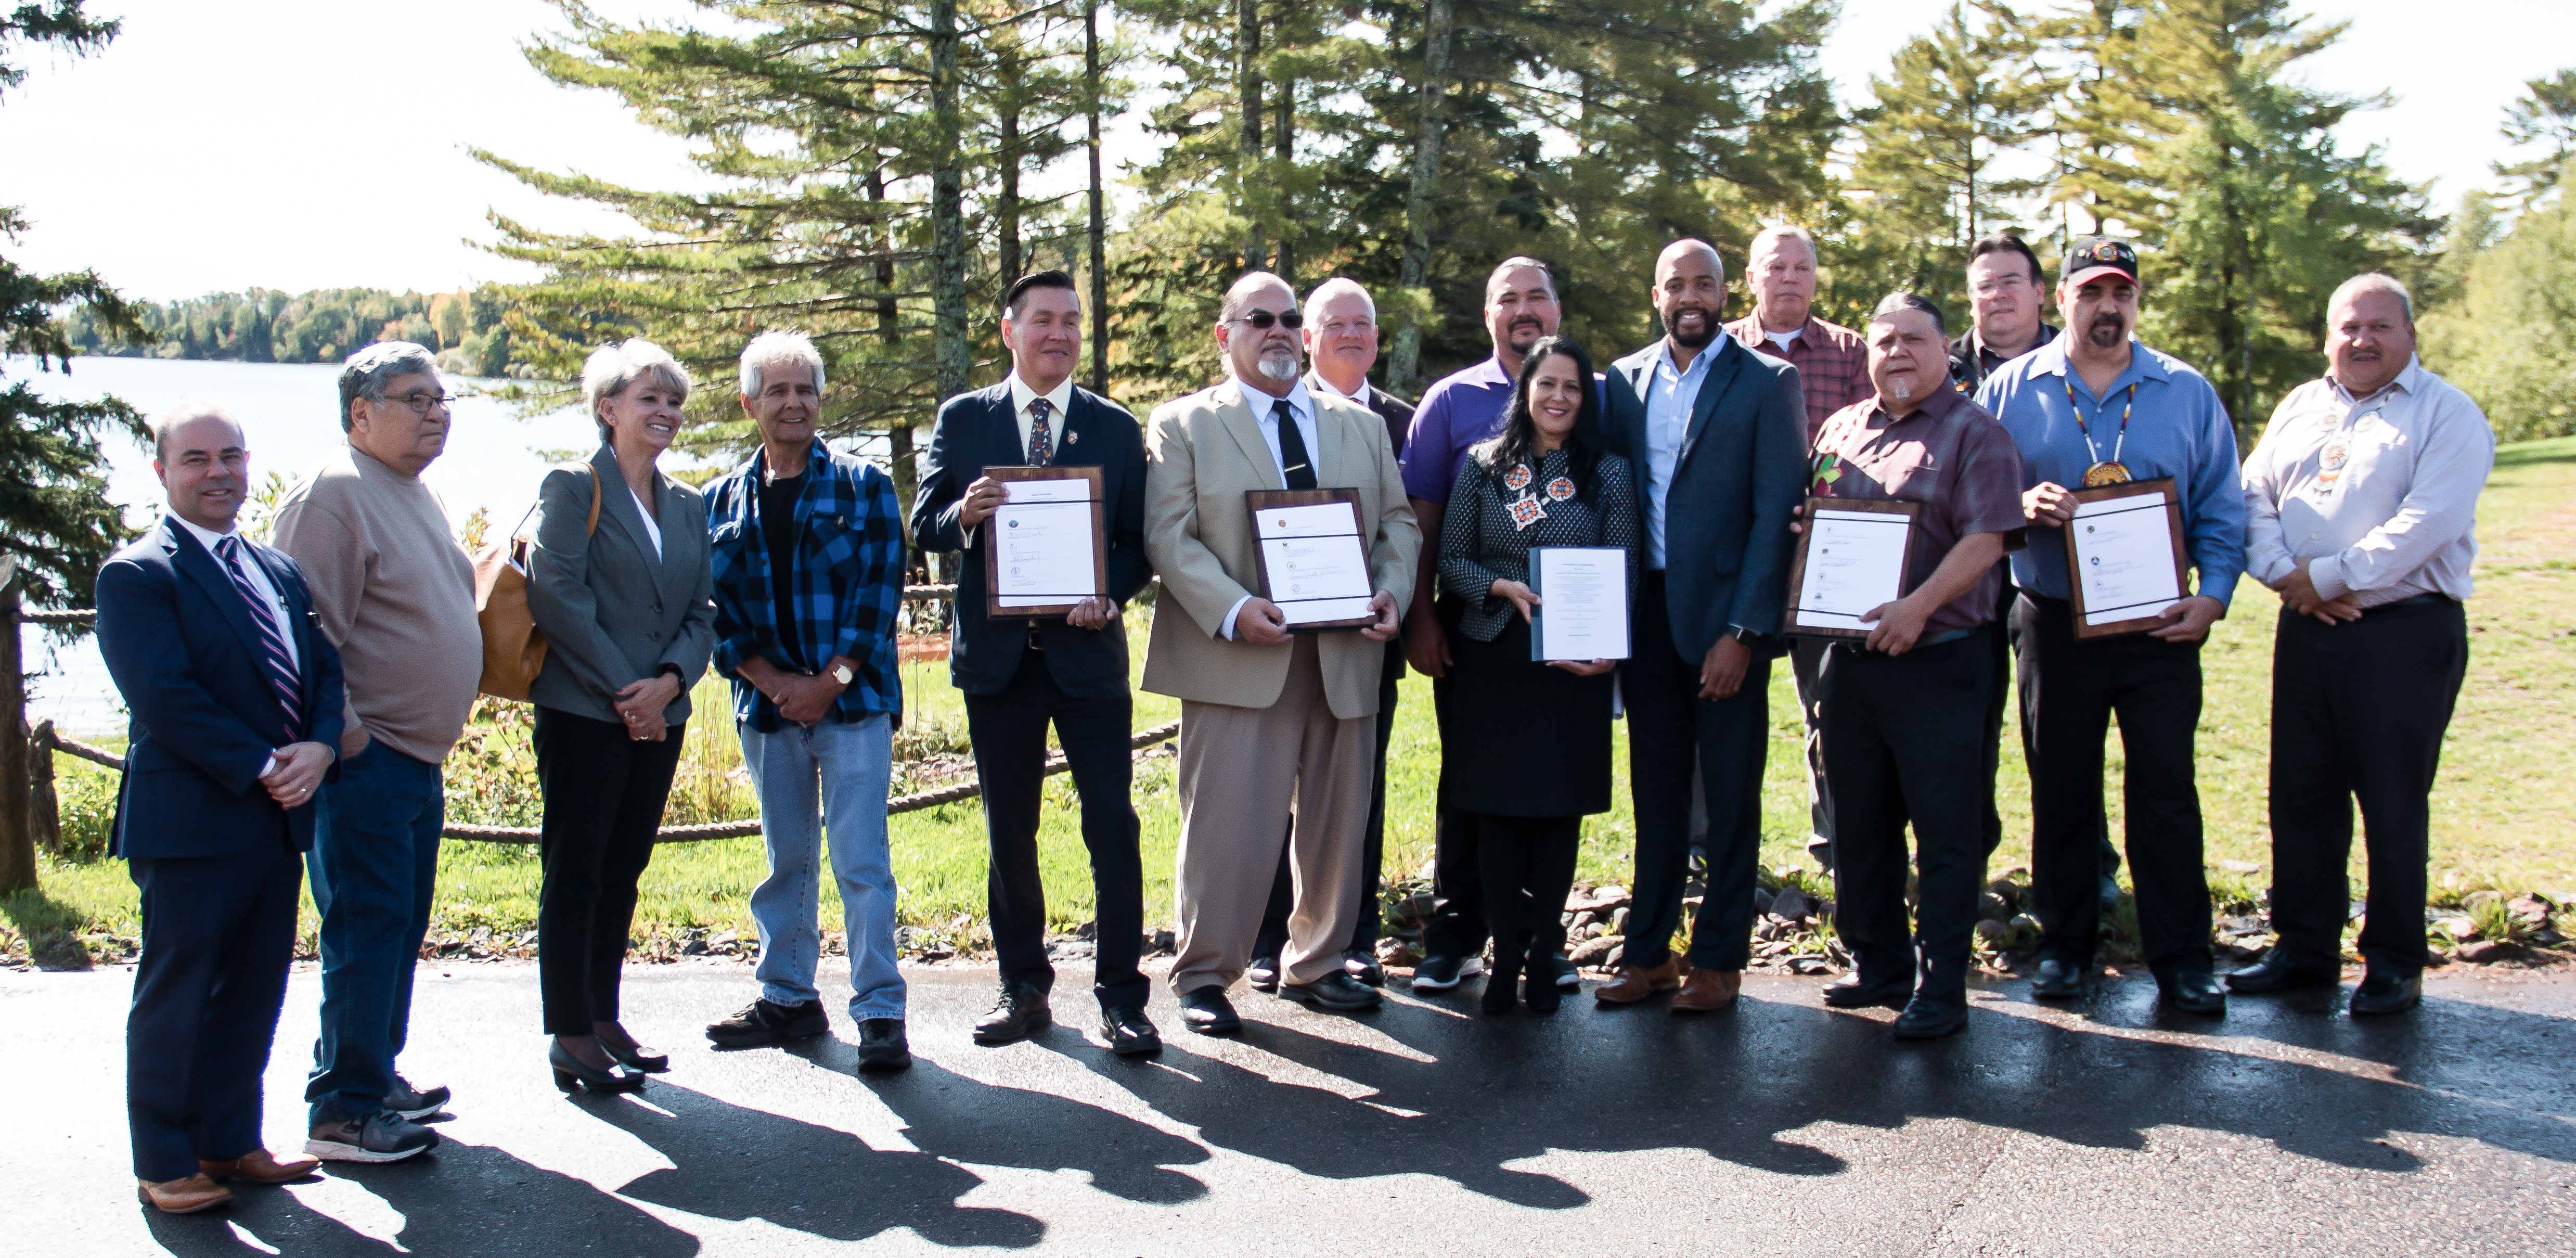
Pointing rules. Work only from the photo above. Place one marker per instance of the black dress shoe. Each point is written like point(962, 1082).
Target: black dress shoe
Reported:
point(765, 1021)
point(1129, 1032)
point(1337, 990)
point(1928, 1019)
point(1263, 974)
point(2384, 993)
point(1208, 1012)
point(1362, 966)
point(2278, 972)
point(1849, 992)
point(1440, 973)
point(2057, 980)
point(882, 1045)
point(1541, 991)
point(1020, 1013)
point(2194, 991)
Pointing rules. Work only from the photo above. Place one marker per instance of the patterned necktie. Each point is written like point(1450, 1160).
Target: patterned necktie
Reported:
point(274, 660)
point(1041, 442)
point(1294, 465)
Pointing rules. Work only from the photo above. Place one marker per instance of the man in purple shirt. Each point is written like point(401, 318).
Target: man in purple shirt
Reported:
point(1456, 412)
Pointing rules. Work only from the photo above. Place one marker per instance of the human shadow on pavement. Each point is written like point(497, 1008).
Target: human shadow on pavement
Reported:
point(729, 1162)
point(456, 1199)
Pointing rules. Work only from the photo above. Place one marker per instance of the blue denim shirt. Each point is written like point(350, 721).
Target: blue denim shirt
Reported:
point(2179, 429)
point(846, 588)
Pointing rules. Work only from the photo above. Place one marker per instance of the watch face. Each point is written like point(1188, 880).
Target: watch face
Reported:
point(842, 674)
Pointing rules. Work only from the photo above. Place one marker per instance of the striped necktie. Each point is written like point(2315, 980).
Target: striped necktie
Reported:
point(1041, 441)
point(274, 660)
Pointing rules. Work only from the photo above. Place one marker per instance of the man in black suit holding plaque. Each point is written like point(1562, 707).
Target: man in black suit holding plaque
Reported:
point(1019, 673)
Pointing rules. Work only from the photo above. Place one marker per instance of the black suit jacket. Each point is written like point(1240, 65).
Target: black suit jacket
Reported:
point(976, 431)
point(179, 640)
point(1398, 415)
point(1741, 468)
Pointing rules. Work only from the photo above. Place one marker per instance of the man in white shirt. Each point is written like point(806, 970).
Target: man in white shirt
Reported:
point(2361, 512)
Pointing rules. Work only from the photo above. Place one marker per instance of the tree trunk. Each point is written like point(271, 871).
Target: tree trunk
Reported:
point(1006, 208)
point(1247, 51)
point(1285, 145)
point(888, 324)
point(1099, 208)
point(1427, 136)
point(949, 355)
point(17, 846)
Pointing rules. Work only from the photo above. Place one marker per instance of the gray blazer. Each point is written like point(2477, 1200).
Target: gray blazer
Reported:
point(612, 613)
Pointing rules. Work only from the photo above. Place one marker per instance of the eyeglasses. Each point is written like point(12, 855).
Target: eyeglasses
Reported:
point(1265, 320)
point(422, 404)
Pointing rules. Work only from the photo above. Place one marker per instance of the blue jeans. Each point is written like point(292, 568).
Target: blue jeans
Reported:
point(855, 767)
point(375, 866)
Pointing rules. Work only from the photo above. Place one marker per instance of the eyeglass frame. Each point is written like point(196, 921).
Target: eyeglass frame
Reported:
point(420, 404)
point(1291, 320)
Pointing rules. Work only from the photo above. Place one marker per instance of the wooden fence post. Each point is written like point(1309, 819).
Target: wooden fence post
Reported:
point(44, 806)
point(17, 845)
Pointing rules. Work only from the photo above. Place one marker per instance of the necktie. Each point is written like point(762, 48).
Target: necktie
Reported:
point(274, 660)
point(1294, 465)
point(1041, 443)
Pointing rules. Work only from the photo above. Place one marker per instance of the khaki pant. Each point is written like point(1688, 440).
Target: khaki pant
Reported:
point(1244, 774)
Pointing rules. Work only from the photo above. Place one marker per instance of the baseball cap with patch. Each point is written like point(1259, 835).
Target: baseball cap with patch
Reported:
point(2092, 257)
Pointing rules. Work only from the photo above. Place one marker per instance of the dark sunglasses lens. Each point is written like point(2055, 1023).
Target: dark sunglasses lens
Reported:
point(1265, 320)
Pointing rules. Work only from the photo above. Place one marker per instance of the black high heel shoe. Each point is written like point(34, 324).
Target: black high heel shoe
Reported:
point(1540, 991)
point(572, 1075)
point(635, 1059)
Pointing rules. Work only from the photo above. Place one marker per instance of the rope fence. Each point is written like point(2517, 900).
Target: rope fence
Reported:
point(45, 742)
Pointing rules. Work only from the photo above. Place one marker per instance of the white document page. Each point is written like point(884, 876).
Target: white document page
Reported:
point(1855, 561)
point(2124, 549)
point(1582, 602)
point(1319, 520)
point(1317, 578)
point(1046, 551)
point(1056, 489)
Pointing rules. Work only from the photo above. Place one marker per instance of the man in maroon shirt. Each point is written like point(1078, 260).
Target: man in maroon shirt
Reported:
point(1902, 709)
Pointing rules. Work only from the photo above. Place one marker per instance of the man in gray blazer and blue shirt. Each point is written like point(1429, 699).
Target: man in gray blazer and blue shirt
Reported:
point(1719, 434)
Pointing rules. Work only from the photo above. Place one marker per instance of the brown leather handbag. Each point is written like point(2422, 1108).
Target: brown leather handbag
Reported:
point(513, 648)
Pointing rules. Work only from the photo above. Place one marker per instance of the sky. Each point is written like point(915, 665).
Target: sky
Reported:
point(326, 143)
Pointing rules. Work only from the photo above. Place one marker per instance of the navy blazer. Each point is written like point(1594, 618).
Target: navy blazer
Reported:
point(179, 640)
point(1742, 467)
point(978, 430)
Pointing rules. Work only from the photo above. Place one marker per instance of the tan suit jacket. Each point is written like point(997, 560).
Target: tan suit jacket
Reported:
point(1204, 451)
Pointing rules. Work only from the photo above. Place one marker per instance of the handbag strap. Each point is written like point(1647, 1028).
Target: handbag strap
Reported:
point(590, 530)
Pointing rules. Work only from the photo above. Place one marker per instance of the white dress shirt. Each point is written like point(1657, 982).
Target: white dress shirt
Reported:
point(1301, 404)
point(2400, 518)
point(1671, 395)
point(1361, 397)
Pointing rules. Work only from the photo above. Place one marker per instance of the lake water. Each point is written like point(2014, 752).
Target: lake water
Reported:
point(290, 413)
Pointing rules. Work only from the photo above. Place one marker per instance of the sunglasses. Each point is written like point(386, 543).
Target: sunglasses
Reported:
point(1265, 320)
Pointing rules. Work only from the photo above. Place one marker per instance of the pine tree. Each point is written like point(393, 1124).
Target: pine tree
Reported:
point(2546, 116)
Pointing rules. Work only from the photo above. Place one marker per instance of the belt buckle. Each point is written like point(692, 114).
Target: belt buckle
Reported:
point(1036, 643)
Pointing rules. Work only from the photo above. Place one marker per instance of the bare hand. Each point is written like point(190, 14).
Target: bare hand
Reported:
point(641, 701)
point(1899, 625)
point(297, 774)
point(2048, 503)
point(1426, 646)
point(981, 499)
point(1520, 595)
point(1091, 613)
point(1721, 672)
point(807, 700)
point(1389, 617)
point(2190, 619)
point(1584, 668)
point(2299, 593)
point(1261, 623)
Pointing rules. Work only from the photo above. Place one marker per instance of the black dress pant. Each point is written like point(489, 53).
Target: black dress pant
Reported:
point(1667, 723)
point(218, 933)
point(1274, 915)
point(2358, 714)
point(604, 793)
point(1527, 865)
point(1901, 740)
point(1008, 729)
point(2070, 690)
point(1456, 927)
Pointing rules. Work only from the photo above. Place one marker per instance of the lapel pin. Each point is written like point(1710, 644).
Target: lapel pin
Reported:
point(1072, 437)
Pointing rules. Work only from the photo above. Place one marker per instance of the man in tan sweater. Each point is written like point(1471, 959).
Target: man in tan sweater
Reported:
point(395, 593)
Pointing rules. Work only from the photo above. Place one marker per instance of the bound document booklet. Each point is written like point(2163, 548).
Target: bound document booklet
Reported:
point(1314, 556)
point(1582, 612)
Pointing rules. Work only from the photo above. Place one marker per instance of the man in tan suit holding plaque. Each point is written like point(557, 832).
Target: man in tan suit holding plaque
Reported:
point(1275, 724)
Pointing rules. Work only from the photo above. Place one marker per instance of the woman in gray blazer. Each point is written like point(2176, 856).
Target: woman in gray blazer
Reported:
point(629, 624)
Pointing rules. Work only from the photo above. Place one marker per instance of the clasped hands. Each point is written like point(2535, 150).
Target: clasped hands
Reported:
point(640, 705)
point(296, 773)
point(1261, 623)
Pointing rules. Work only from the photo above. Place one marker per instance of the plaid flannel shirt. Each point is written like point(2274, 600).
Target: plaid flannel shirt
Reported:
point(846, 587)
point(1832, 363)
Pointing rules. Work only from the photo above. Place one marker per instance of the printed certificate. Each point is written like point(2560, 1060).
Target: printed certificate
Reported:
point(2124, 557)
point(1582, 612)
point(1852, 558)
point(1047, 547)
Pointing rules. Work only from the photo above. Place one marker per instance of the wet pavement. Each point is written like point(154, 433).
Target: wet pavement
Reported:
point(1426, 1128)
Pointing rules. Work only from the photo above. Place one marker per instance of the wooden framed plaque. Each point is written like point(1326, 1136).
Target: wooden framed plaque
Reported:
point(1314, 556)
point(1047, 549)
point(2124, 557)
point(1855, 554)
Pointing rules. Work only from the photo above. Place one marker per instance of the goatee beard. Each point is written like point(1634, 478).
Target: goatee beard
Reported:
point(1278, 366)
point(2106, 334)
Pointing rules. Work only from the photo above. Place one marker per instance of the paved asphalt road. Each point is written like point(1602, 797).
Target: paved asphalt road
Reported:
point(1779, 1127)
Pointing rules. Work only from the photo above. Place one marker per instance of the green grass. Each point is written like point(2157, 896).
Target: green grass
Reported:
point(2504, 805)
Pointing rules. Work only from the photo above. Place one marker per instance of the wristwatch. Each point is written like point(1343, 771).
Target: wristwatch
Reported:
point(842, 674)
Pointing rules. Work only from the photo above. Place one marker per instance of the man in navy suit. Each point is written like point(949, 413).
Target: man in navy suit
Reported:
point(1021, 673)
point(237, 708)
point(1719, 435)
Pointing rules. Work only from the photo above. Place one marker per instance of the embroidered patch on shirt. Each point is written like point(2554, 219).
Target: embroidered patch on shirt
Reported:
point(1526, 512)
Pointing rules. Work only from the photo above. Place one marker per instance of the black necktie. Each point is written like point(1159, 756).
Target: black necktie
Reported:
point(1041, 441)
point(1294, 465)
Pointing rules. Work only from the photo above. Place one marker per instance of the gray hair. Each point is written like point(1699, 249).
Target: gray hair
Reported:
point(2372, 282)
point(187, 410)
point(775, 348)
point(1334, 287)
point(611, 368)
point(1775, 233)
point(368, 371)
point(1252, 282)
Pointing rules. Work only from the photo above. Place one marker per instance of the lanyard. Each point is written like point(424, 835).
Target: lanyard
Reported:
point(2087, 430)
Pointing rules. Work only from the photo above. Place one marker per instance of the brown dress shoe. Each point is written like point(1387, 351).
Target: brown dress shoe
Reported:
point(259, 1166)
point(1708, 990)
point(1635, 983)
point(193, 1195)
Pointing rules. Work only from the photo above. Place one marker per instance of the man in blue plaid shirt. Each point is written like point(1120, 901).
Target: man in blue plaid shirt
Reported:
point(807, 547)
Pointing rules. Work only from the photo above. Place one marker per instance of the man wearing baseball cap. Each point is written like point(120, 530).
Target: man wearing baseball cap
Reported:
point(2094, 408)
